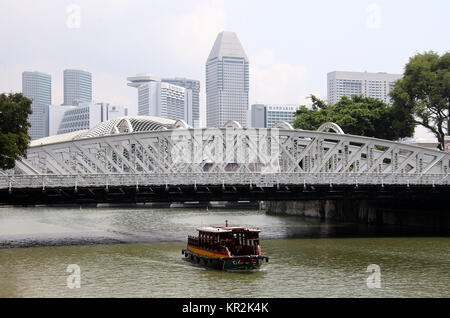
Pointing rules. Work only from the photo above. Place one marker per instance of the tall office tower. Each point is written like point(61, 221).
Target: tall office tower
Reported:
point(163, 100)
point(227, 81)
point(77, 87)
point(193, 115)
point(265, 116)
point(37, 86)
point(376, 85)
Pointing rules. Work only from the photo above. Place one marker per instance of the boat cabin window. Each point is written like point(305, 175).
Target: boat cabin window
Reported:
point(239, 241)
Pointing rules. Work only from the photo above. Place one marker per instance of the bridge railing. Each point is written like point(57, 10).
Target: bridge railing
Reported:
point(225, 179)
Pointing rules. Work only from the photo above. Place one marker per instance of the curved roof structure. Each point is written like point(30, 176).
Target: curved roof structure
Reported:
point(58, 138)
point(120, 125)
point(139, 79)
point(129, 124)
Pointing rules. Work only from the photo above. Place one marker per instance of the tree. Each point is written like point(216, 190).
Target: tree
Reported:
point(424, 92)
point(363, 116)
point(14, 111)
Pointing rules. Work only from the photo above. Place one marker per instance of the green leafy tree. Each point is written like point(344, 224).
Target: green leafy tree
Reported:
point(14, 112)
point(424, 92)
point(364, 116)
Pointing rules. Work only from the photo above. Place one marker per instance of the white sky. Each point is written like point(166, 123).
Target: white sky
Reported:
point(291, 45)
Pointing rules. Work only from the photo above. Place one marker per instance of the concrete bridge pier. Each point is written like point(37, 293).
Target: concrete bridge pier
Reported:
point(431, 215)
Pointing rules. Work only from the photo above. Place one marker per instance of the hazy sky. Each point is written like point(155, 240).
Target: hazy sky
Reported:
point(291, 45)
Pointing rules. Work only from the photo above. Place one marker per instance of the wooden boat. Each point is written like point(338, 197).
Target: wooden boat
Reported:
point(225, 247)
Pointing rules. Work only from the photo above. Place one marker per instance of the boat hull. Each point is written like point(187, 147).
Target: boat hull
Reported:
point(247, 262)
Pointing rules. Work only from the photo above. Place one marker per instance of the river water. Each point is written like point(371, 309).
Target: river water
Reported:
point(136, 252)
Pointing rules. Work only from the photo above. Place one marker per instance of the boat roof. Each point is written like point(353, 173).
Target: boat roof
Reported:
point(226, 229)
point(212, 229)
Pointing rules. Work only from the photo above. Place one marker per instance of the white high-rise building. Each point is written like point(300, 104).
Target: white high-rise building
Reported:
point(376, 85)
point(163, 99)
point(227, 81)
point(37, 86)
point(77, 87)
point(193, 91)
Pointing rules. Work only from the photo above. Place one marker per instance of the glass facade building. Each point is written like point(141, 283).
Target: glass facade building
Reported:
point(37, 86)
point(258, 116)
point(77, 87)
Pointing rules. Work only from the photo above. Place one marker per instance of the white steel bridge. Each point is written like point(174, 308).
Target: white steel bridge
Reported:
point(154, 153)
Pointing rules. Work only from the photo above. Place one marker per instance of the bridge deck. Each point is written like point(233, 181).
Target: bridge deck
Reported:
point(230, 178)
point(127, 188)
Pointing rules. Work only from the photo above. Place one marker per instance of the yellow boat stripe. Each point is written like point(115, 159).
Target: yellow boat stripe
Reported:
point(203, 252)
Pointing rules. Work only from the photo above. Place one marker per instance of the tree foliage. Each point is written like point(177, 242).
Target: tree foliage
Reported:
point(424, 91)
point(14, 112)
point(364, 116)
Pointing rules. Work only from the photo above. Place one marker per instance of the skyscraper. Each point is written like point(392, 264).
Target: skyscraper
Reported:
point(77, 87)
point(376, 85)
point(37, 86)
point(193, 115)
point(227, 81)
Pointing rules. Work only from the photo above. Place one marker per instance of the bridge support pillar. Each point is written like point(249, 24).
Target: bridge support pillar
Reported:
point(427, 215)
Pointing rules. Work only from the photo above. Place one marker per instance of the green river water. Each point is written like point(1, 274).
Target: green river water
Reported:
point(136, 252)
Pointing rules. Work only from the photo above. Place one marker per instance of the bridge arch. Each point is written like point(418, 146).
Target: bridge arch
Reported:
point(329, 126)
point(283, 125)
point(181, 124)
point(232, 124)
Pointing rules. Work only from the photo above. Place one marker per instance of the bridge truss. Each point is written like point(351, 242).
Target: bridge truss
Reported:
point(176, 154)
